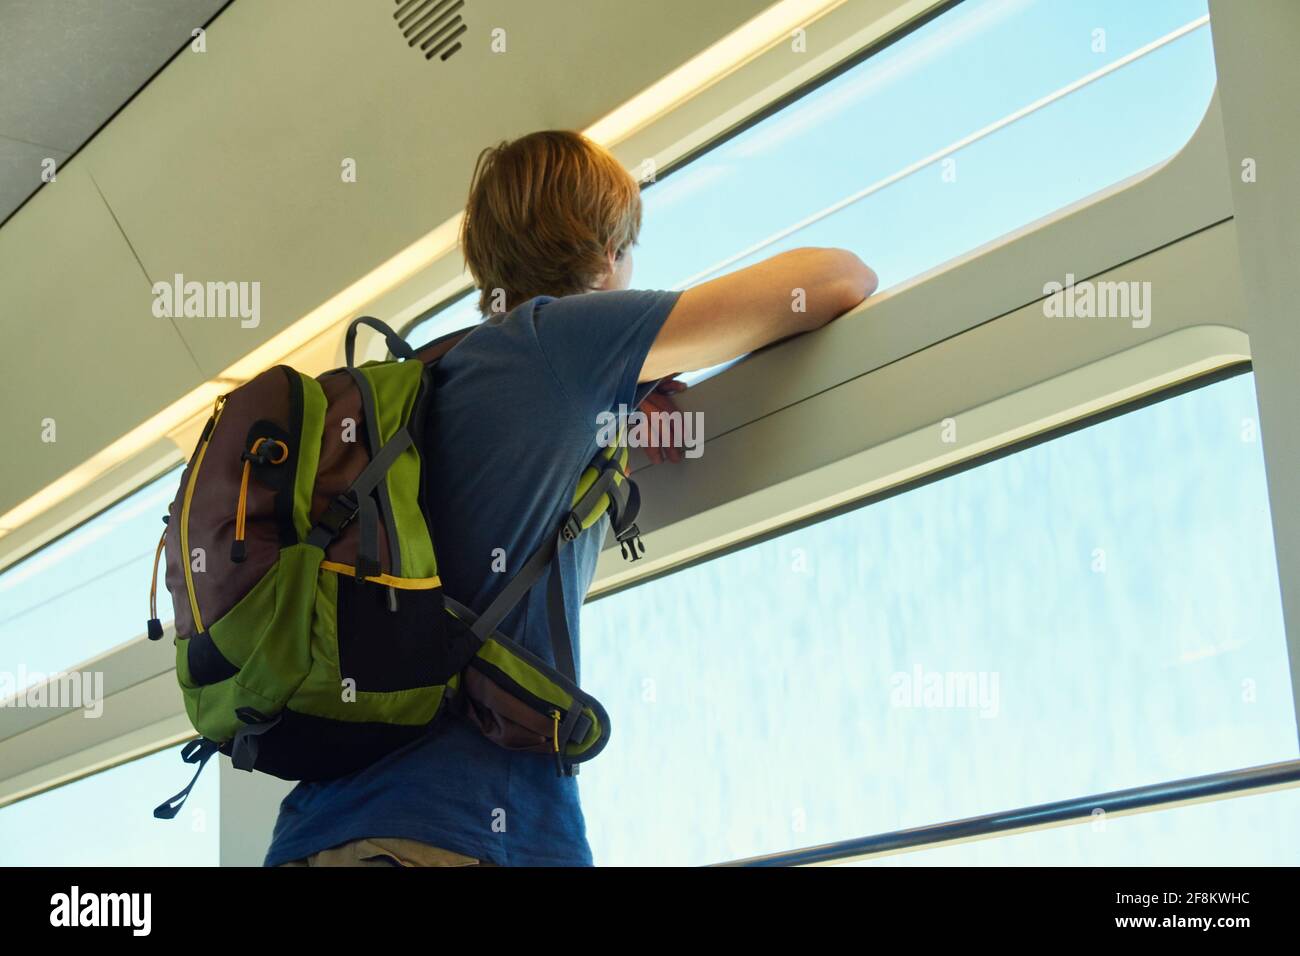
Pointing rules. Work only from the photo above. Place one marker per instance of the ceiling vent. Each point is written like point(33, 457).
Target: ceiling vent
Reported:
point(432, 26)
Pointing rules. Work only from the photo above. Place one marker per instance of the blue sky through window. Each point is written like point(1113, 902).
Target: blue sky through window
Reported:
point(87, 592)
point(107, 819)
point(1108, 600)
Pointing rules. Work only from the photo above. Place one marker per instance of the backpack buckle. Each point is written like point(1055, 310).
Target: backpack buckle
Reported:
point(571, 528)
point(339, 514)
point(629, 543)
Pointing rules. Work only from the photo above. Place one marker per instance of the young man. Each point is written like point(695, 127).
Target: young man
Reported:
point(548, 236)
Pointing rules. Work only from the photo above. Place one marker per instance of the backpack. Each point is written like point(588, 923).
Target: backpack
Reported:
point(312, 632)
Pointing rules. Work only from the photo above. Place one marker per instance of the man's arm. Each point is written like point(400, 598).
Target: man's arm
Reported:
point(737, 313)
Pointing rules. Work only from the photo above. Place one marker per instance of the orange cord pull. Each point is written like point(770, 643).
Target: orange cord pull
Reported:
point(237, 550)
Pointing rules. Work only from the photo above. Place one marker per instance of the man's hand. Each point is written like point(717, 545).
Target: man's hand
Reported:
point(656, 404)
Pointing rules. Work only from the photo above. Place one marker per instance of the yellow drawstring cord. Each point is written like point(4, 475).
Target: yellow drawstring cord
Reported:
point(236, 549)
point(155, 625)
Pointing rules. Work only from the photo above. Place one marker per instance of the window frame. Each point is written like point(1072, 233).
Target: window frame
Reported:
point(1172, 210)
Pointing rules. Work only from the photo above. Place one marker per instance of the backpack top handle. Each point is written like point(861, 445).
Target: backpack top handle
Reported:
point(396, 344)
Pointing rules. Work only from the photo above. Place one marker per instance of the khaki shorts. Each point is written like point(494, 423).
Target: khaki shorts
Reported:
point(387, 851)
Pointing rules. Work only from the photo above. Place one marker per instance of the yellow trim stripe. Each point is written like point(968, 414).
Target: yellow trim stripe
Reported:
point(407, 584)
point(217, 409)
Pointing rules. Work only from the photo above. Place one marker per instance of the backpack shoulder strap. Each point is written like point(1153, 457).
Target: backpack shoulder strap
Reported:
point(356, 501)
point(610, 490)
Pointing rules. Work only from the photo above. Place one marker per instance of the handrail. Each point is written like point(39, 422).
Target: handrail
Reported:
point(1231, 783)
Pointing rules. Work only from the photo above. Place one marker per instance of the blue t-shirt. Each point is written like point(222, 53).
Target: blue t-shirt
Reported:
point(512, 425)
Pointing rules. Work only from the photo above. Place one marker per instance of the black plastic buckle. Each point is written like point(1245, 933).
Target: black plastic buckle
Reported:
point(629, 543)
point(339, 514)
point(572, 527)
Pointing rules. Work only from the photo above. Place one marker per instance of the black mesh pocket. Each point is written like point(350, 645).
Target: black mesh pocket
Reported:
point(384, 650)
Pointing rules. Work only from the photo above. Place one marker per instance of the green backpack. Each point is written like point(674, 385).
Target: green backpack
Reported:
point(312, 632)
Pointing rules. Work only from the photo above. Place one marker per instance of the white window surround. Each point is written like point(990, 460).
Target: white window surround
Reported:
point(973, 330)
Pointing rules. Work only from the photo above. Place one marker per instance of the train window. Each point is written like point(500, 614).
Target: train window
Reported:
point(868, 160)
point(1094, 612)
point(86, 592)
point(106, 820)
point(988, 118)
point(460, 313)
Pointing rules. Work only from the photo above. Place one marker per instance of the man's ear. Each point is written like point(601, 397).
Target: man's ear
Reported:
point(606, 278)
